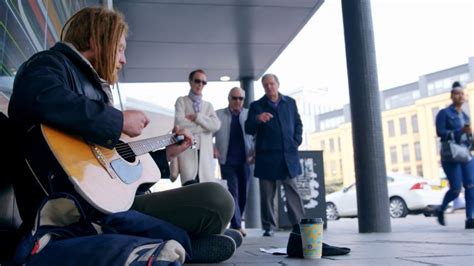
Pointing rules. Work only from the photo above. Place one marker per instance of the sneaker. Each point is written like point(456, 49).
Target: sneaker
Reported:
point(268, 232)
point(212, 249)
point(469, 224)
point(440, 216)
point(235, 235)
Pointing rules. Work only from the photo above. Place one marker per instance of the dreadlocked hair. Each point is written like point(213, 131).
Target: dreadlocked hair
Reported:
point(100, 29)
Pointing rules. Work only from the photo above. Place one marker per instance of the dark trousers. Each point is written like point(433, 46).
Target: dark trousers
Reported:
point(200, 209)
point(460, 174)
point(294, 204)
point(237, 177)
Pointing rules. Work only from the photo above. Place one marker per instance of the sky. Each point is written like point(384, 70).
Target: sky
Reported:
point(412, 38)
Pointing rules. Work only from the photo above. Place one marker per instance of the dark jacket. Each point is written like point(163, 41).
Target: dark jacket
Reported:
point(277, 140)
point(59, 88)
point(450, 127)
point(448, 122)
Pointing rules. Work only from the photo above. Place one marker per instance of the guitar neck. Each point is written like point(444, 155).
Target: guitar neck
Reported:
point(144, 146)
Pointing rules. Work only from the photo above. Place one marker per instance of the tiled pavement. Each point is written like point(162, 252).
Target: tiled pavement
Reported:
point(414, 240)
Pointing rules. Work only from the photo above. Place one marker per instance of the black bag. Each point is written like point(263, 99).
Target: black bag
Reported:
point(294, 248)
point(451, 151)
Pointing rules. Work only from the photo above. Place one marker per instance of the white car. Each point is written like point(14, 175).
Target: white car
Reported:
point(407, 194)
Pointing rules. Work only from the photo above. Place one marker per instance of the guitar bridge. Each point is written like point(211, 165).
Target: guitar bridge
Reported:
point(102, 160)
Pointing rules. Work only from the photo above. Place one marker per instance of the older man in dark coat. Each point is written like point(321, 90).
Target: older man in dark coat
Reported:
point(276, 124)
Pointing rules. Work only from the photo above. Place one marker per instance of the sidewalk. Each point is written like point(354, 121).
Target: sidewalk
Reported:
point(414, 240)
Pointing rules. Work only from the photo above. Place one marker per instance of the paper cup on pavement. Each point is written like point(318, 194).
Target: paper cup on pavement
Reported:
point(312, 237)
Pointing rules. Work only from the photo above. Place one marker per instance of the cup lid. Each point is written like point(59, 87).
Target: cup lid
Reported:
point(311, 221)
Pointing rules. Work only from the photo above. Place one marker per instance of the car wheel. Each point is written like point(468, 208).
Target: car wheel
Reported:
point(331, 212)
point(398, 207)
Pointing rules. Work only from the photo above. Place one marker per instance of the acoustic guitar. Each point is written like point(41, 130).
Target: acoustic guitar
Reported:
point(107, 178)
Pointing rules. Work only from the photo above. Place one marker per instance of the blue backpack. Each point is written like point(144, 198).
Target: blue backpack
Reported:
point(64, 236)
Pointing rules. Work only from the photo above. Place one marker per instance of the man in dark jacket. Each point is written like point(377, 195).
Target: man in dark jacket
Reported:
point(276, 124)
point(68, 88)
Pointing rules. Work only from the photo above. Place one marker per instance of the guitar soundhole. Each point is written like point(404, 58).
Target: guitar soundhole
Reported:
point(125, 152)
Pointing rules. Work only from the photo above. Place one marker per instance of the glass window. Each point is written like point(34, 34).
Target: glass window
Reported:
point(419, 170)
point(414, 123)
point(464, 78)
point(331, 145)
point(416, 94)
point(401, 99)
point(393, 155)
point(407, 170)
point(391, 128)
point(388, 104)
point(339, 143)
point(405, 153)
point(331, 122)
point(447, 83)
point(403, 126)
point(340, 166)
point(417, 151)
point(333, 167)
point(431, 88)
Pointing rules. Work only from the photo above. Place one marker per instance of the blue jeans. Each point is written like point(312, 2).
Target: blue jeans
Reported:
point(460, 174)
point(237, 177)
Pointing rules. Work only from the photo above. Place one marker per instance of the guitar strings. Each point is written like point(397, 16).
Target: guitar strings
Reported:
point(127, 150)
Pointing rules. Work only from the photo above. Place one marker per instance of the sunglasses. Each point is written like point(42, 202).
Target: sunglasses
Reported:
point(197, 81)
point(235, 98)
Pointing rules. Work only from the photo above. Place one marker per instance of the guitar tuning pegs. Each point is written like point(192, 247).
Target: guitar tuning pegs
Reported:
point(179, 138)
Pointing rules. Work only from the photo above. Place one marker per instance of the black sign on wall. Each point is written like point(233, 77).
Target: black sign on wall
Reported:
point(310, 187)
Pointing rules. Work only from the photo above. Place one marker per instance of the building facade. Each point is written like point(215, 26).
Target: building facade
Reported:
point(310, 105)
point(408, 118)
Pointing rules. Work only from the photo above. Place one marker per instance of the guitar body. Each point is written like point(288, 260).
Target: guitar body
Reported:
point(101, 176)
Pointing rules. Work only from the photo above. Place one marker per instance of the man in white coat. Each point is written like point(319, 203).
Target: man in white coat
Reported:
point(199, 117)
point(234, 150)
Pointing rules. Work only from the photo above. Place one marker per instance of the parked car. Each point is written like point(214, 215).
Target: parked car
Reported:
point(407, 194)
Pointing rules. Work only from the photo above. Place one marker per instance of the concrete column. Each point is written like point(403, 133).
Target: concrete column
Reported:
point(252, 210)
point(247, 85)
point(371, 180)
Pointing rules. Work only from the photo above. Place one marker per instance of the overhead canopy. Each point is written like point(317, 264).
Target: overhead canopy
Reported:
point(235, 38)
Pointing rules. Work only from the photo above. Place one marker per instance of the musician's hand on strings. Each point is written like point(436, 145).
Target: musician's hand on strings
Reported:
point(177, 148)
point(134, 122)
